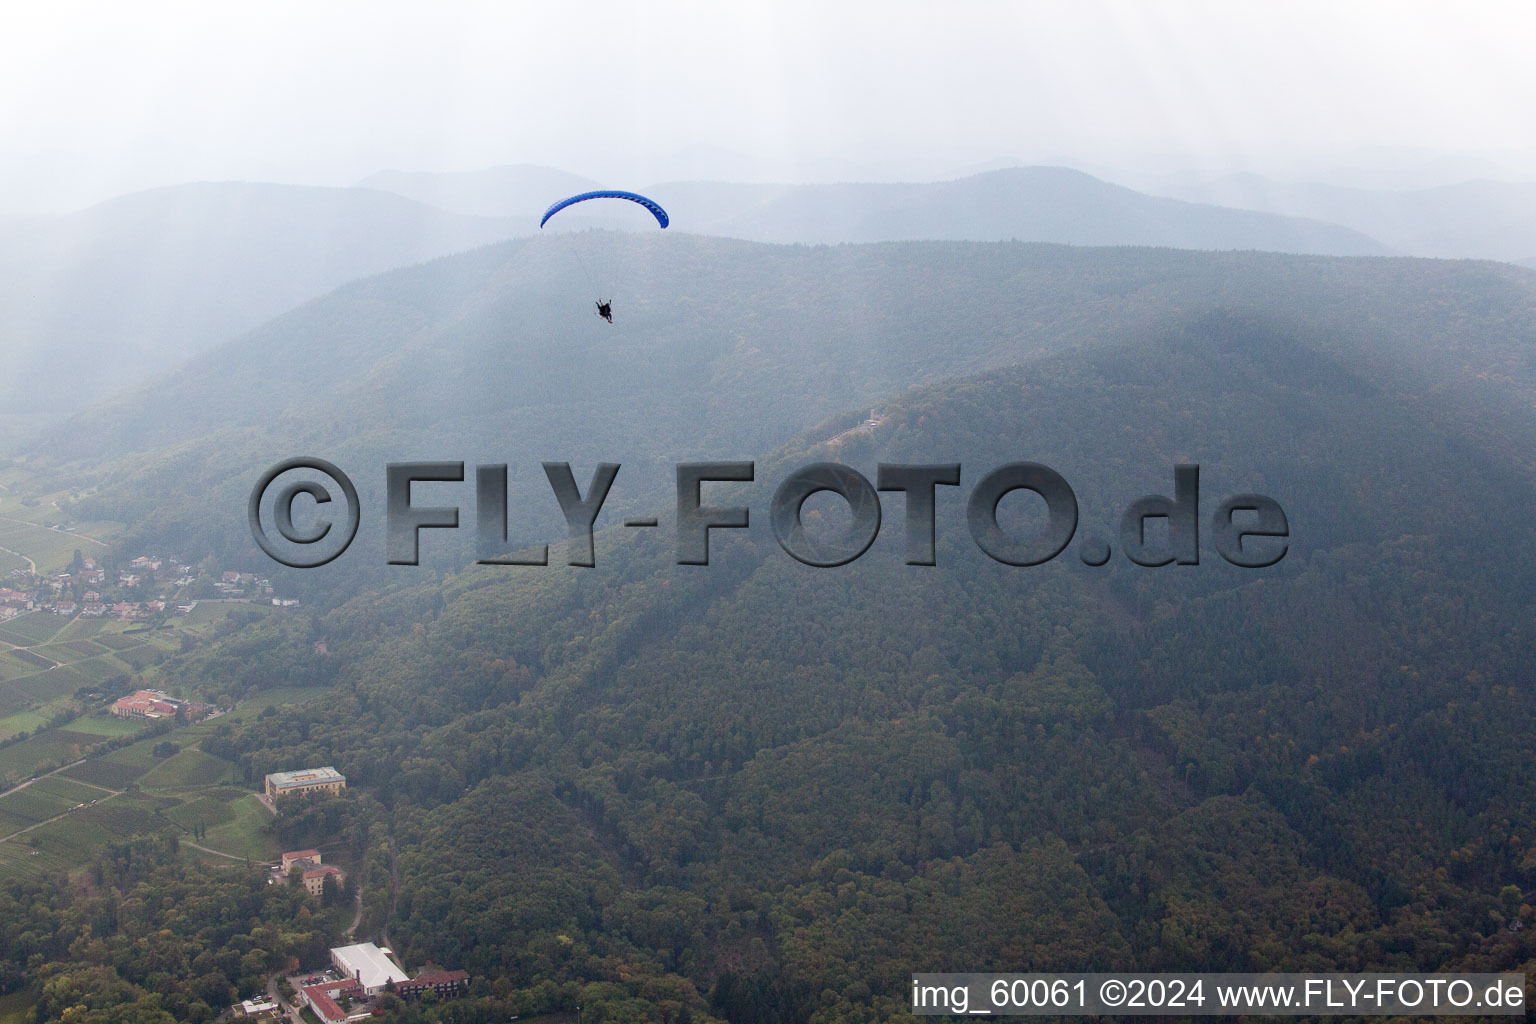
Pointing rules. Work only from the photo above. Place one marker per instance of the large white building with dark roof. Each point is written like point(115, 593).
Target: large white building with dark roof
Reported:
point(305, 780)
point(369, 965)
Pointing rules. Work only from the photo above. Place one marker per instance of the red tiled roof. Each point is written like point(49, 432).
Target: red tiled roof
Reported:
point(321, 997)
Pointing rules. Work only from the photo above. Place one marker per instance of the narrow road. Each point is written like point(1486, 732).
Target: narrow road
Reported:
point(21, 556)
point(44, 526)
point(357, 916)
point(272, 994)
point(23, 785)
point(45, 821)
point(221, 853)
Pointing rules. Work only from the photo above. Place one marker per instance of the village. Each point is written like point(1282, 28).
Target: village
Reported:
point(148, 588)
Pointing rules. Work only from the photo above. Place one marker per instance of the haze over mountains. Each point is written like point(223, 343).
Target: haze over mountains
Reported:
point(1468, 220)
point(132, 286)
point(137, 284)
point(721, 349)
point(1032, 204)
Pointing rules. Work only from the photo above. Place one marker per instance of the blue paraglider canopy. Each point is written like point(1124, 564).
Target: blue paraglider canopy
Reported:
point(634, 197)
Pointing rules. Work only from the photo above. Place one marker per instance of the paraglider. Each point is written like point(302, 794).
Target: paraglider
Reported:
point(605, 306)
point(634, 197)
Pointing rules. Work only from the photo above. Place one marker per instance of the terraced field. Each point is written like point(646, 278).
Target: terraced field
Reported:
point(46, 659)
point(72, 840)
point(188, 790)
point(32, 628)
point(189, 769)
point(45, 751)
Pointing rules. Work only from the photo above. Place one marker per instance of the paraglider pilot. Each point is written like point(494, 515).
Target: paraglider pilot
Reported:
point(605, 310)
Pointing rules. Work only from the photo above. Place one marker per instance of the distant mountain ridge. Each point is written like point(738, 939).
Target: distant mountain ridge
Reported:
point(1030, 204)
point(1468, 220)
point(518, 190)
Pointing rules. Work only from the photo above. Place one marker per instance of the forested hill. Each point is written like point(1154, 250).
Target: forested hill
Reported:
point(721, 349)
point(768, 792)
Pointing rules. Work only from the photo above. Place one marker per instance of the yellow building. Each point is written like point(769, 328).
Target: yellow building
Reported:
point(306, 780)
point(314, 878)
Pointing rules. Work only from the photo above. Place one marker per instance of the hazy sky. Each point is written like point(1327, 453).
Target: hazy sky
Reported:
point(98, 99)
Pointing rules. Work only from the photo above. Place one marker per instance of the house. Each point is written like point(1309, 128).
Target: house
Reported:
point(125, 610)
point(93, 609)
point(314, 878)
point(447, 984)
point(147, 704)
point(91, 595)
point(313, 872)
point(326, 1000)
point(64, 608)
point(253, 1008)
point(369, 965)
point(305, 780)
point(230, 577)
point(301, 857)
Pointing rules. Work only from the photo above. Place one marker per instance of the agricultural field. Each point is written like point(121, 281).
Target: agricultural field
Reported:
point(32, 628)
point(208, 612)
point(71, 841)
point(47, 750)
point(51, 549)
point(190, 789)
point(60, 658)
point(243, 834)
point(44, 799)
point(23, 721)
point(106, 725)
point(67, 790)
point(188, 769)
point(206, 811)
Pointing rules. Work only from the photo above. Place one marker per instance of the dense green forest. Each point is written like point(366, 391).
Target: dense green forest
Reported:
point(149, 938)
point(721, 349)
point(759, 792)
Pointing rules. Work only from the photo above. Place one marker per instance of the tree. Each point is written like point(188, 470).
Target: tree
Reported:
point(330, 892)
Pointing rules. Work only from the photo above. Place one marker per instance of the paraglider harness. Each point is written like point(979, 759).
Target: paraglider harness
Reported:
point(605, 309)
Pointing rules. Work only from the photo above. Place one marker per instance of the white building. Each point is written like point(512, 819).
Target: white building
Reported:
point(369, 964)
point(251, 1007)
